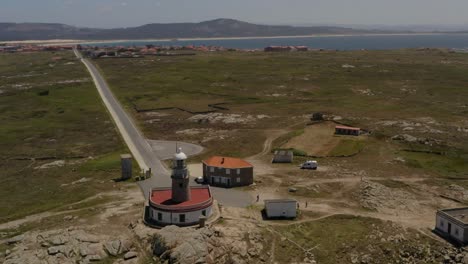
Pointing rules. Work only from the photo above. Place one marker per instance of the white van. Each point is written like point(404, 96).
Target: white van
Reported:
point(309, 165)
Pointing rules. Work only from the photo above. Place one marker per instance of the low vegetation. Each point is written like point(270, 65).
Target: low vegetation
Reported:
point(57, 142)
point(350, 239)
point(347, 147)
point(421, 91)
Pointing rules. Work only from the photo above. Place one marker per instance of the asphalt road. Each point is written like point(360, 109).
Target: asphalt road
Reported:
point(149, 154)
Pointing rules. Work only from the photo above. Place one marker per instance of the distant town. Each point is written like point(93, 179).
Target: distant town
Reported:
point(139, 51)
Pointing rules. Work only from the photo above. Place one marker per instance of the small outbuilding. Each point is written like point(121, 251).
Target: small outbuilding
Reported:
point(453, 224)
point(227, 172)
point(347, 130)
point(317, 117)
point(126, 163)
point(283, 156)
point(281, 208)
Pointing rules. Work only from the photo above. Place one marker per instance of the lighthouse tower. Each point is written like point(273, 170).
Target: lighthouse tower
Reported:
point(180, 178)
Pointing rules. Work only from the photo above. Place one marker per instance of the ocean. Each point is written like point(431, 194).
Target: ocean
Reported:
point(370, 42)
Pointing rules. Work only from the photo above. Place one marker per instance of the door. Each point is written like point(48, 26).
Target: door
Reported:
point(228, 183)
point(449, 228)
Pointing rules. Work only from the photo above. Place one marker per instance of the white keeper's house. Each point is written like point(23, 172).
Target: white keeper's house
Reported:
point(453, 224)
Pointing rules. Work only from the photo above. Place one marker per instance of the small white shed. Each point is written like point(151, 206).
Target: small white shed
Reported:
point(281, 208)
point(283, 156)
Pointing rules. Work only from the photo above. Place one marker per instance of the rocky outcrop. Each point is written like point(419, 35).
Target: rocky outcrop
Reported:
point(376, 196)
point(67, 246)
point(207, 245)
point(412, 139)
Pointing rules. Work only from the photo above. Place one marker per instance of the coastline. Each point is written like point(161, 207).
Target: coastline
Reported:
point(53, 42)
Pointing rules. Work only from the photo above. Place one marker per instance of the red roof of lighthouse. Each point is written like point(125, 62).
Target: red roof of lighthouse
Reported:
point(161, 198)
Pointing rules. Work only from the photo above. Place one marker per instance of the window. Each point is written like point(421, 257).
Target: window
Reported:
point(238, 179)
point(441, 224)
point(182, 218)
point(456, 231)
point(180, 163)
point(212, 169)
point(159, 217)
point(181, 185)
point(238, 171)
point(203, 212)
point(228, 171)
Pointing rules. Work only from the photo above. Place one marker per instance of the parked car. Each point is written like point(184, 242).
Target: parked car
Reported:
point(309, 165)
point(199, 180)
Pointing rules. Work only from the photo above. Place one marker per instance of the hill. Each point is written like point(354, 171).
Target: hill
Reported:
point(206, 29)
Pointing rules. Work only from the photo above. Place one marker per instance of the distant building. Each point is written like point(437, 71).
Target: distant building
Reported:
point(346, 130)
point(281, 208)
point(302, 48)
point(453, 224)
point(278, 48)
point(227, 172)
point(283, 156)
point(317, 117)
point(285, 48)
point(180, 205)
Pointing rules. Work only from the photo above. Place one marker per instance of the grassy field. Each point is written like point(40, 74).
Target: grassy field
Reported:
point(50, 111)
point(424, 88)
point(342, 238)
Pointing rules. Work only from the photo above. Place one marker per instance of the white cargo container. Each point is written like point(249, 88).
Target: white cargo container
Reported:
point(281, 208)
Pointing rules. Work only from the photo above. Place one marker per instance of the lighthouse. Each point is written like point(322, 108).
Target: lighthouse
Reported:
point(180, 178)
point(179, 204)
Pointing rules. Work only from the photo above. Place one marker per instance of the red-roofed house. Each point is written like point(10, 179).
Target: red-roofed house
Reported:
point(227, 172)
point(346, 130)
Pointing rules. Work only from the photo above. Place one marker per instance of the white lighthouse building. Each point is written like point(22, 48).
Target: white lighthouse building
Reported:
point(181, 204)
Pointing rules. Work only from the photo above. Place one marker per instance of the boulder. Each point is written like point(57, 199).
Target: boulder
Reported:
point(113, 247)
point(82, 237)
point(92, 249)
point(53, 250)
point(130, 255)
point(125, 246)
point(67, 251)
point(94, 258)
point(15, 239)
point(58, 240)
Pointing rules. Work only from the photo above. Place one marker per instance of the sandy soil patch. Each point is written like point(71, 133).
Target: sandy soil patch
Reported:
point(317, 140)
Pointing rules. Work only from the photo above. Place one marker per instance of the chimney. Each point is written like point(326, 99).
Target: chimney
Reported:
point(222, 161)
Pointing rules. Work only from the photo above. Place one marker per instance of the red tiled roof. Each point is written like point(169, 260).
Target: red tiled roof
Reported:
point(227, 162)
point(162, 199)
point(347, 127)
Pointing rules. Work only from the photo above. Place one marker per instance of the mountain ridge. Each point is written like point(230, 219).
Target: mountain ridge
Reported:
point(221, 27)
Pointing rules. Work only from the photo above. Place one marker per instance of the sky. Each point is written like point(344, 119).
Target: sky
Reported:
point(128, 13)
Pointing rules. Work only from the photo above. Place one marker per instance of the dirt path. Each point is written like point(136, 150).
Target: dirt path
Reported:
point(422, 220)
point(272, 135)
